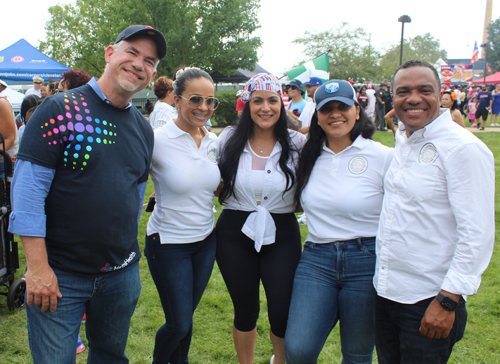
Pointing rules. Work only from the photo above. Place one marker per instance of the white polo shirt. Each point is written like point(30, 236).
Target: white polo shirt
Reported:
point(437, 225)
point(260, 225)
point(343, 197)
point(184, 179)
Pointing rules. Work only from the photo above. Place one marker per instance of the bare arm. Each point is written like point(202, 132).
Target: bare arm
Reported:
point(457, 118)
point(41, 282)
point(388, 118)
point(7, 123)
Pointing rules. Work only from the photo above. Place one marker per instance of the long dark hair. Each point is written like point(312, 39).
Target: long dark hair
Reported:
point(314, 146)
point(234, 148)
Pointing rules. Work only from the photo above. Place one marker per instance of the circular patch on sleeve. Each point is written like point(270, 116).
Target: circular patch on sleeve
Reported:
point(358, 165)
point(428, 154)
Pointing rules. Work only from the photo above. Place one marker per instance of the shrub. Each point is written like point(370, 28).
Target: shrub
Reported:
point(226, 112)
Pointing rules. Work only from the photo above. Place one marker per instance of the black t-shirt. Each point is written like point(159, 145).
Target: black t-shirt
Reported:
point(484, 98)
point(100, 154)
point(363, 100)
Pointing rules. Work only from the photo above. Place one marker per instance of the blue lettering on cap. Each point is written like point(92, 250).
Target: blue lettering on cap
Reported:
point(332, 87)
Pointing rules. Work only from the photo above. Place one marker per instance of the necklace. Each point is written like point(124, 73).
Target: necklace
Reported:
point(260, 149)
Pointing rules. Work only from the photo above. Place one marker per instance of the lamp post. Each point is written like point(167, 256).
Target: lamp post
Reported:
point(402, 19)
point(485, 46)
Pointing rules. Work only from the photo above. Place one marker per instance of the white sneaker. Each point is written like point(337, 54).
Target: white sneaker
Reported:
point(272, 360)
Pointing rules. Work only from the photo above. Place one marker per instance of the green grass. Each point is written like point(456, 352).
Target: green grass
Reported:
point(212, 338)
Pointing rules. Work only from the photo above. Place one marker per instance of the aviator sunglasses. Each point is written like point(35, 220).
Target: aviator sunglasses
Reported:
point(195, 101)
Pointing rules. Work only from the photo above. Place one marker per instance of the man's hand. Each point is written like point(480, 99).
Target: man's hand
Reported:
point(42, 288)
point(304, 130)
point(437, 321)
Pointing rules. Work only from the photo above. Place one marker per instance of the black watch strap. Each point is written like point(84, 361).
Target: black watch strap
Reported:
point(447, 302)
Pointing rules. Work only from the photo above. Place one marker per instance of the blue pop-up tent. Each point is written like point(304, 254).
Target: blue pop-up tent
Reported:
point(20, 62)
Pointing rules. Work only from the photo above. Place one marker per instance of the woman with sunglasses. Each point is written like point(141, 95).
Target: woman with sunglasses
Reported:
point(340, 187)
point(180, 242)
point(258, 237)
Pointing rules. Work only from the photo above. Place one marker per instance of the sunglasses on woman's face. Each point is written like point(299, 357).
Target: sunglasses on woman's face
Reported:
point(196, 101)
point(292, 87)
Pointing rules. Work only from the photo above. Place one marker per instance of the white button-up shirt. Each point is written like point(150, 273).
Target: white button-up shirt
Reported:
point(437, 224)
point(162, 114)
point(259, 225)
point(343, 197)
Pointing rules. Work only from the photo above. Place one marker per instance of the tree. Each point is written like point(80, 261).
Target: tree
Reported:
point(422, 47)
point(494, 45)
point(351, 55)
point(210, 34)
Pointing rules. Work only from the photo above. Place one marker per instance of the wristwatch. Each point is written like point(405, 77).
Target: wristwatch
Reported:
point(447, 302)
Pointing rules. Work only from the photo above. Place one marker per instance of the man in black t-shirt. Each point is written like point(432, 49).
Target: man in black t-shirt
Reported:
point(484, 105)
point(81, 175)
point(382, 97)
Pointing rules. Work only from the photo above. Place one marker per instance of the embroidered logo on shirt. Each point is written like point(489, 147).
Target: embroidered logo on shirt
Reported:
point(358, 165)
point(428, 154)
point(211, 153)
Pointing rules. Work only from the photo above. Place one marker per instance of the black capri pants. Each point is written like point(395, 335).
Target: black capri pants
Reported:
point(243, 268)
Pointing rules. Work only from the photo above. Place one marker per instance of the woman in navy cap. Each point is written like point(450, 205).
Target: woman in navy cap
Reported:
point(340, 187)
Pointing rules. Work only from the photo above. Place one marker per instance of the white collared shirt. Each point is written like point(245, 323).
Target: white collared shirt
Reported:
point(185, 178)
point(307, 114)
point(162, 114)
point(260, 225)
point(343, 197)
point(437, 224)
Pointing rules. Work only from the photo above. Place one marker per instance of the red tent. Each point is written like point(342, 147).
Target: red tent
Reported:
point(494, 78)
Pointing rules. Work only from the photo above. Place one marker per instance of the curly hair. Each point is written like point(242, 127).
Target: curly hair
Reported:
point(162, 86)
point(75, 78)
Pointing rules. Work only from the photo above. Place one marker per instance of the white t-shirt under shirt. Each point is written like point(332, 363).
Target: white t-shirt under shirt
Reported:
point(344, 195)
point(185, 178)
point(307, 113)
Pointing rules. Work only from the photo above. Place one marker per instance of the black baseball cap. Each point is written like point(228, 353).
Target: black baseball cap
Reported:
point(148, 31)
point(335, 90)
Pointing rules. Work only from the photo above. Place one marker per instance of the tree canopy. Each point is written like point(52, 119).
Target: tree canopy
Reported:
point(210, 34)
point(494, 45)
point(353, 57)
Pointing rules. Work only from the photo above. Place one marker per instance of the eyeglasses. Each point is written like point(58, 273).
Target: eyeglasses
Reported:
point(195, 101)
point(292, 87)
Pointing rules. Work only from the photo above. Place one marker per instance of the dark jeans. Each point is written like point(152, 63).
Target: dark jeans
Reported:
point(398, 338)
point(379, 116)
point(181, 273)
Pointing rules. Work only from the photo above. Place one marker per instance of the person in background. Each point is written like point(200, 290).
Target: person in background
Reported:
point(148, 107)
point(484, 106)
point(363, 99)
point(240, 104)
point(449, 101)
point(180, 241)
point(72, 79)
point(382, 99)
point(43, 90)
point(9, 132)
point(258, 237)
point(340, 186)
point(295, 91)
point(36, 89)
point(163, 111)
point(305, 117)
point(495, 106)
point(30, 102)
point(472, 106)
point(370, 111)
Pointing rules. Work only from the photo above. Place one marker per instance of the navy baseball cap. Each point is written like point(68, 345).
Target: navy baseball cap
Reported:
point(314, 81)
point(335, 90)
point(296, 83)
point(148, 31)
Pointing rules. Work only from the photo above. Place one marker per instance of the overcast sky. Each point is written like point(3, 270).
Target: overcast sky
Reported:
point(457, 23)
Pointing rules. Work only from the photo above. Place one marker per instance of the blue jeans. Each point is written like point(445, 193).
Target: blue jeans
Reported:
point(333, 282)
point(181, 273)
point(109, 301)
point(398, 337)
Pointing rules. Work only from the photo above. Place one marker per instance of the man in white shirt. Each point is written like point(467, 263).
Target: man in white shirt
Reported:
point(305, 117)
point(370, 112)
point(36, 89)
point(430, 253)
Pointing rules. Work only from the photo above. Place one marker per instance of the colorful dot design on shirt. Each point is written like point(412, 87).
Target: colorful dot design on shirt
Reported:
point(81, 131)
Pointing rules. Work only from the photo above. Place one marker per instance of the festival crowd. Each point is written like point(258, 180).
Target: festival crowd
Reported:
point(397, 237)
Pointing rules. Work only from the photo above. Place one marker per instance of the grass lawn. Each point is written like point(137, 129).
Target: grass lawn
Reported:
point(212, 338)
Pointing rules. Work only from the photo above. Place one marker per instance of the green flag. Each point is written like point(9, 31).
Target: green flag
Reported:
point(318, 67)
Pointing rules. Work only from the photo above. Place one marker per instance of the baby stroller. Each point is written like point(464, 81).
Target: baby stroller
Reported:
point(9, 254)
